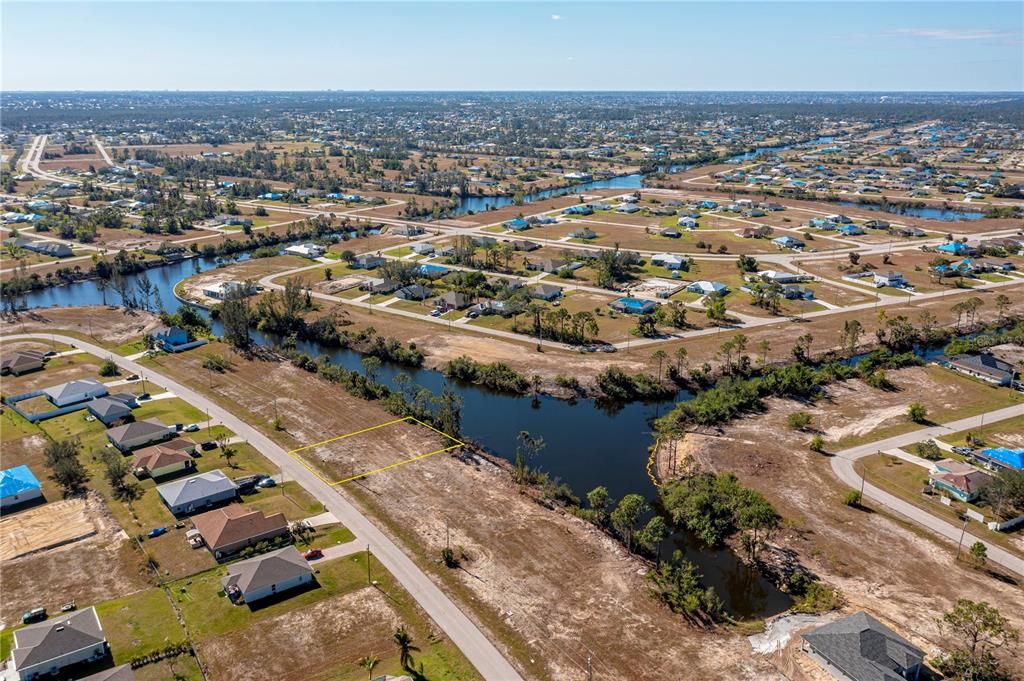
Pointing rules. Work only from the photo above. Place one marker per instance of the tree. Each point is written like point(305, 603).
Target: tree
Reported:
point(757, 519)
point(917, 413)
point(405, 646)
point(626, 515)
point(714, 307)
point(235, 315)
point(371, 365)
point(928, 450)
point(368, 663)
point(817, 444)
point(650, 536)
point(108, 368)
point(116, 473)
point(799, 420)
point(599, 500)
point(850, 335)
point(681, 355)
point(1006, 493)
point(646, 326)
point(979, 554)
point(659, 356)
point(61, 457)
point(527, 449)
point(1002, 303)
point(979, 630)
point(448, 417)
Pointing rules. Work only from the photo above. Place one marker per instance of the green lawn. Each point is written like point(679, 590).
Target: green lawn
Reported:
point(169, 411)
point(997, 428)
point(207, 610)
point(139, 624)
point(131, 347)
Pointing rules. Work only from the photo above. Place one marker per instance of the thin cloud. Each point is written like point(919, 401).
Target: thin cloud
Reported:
point(952, 33)
point(556, 17)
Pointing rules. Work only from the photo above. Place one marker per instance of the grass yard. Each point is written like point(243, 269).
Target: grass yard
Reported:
point(169, 411)
point(141, 624)
point(1006, 433)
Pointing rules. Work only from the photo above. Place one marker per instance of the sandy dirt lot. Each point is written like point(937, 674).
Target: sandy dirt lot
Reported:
point(110, 326)
point(97, 568)
point(897, 572)
point(45, 527)
point(519, 551)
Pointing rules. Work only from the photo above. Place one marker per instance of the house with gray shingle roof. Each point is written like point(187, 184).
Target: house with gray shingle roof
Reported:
point(48, 647)
point(112, 408)
point(122, 673)
point(139, 434)
point(75, 391)
point(197, 492)
point(863, 649)
point(272, 573)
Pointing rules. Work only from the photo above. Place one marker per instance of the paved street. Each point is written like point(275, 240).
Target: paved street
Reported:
point(843, 466)
point(459, 628)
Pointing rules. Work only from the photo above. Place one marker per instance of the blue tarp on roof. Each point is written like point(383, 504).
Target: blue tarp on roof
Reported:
point(17, 480)
point(1014, 458)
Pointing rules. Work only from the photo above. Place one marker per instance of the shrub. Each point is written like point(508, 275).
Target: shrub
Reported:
point(852, 499)
point(108, 368)
point(799, 420)
point(817, 444)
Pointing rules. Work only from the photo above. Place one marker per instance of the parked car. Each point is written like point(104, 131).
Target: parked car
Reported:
point(247, 483)
point(68, 607)
point(266, 482)
point(50, 353)
point(33, 615)
point(313, 554)
point(435, 313)
point(143, 396)
point(133, 377)
point(192, 427)
point(156, 532)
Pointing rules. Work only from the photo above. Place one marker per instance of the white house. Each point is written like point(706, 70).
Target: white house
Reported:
point(272, 573)
point(75, 391)
point(687, 222)
point(707, 287)
point(48, 647)
point(222, 289)
point(891, 279)
point(306, 250)
point(422, 249)
point(777, 277)
point(670, 261)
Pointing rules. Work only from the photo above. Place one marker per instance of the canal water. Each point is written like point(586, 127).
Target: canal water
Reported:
point(927, 212)
point(588, 443)
point(481, 204)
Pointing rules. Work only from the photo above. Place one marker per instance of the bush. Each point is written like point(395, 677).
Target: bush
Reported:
point(108, 368)
point(917, 413)
point(799, 420)
point(928, 450)
point(818, 598)
point(817, 444)
point(852, 499)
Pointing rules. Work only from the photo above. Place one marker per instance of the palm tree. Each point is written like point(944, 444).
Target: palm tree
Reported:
point(368, 663)
point(660, 356)
point(405, 646)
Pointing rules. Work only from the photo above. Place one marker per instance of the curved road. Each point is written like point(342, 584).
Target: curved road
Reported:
point(491, 664)
point(843, 467)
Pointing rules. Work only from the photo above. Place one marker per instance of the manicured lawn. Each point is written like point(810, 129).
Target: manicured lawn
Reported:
point(91, 434)
point(399, 252)
point(207, 610)
point(328, 535)
point(131, 347)
point(991, 433)
point(140, 624)
point(288, 498)
point(169, 411)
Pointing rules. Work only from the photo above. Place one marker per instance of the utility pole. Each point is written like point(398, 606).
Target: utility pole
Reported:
point(960, 543)
point(368, 580)
point(209, 426)
point(590, 667)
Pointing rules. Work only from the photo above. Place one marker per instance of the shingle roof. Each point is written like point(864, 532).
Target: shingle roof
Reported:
point(864, 648)
point(232, 524)
point(159, 456)
point(21, 360)
point(195, 488)
point(38, 643)
point(130, 431)
point(270, 568)
point(80, 387)
point(122, 673)
point(984, 363)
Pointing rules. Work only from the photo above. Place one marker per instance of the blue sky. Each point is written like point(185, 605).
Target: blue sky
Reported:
point(492, 45)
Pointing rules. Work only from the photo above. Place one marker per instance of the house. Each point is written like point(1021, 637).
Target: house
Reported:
point(890, 279)
point(414, 292)
point(378, 285)
point(687, 222)
point(797, 292)
point(759, 232)
point(20, 362)
point(850, 230)
point(75, 391)
point(517, 224)
point(406, 230)
point(188, 495)
point(488, 307)
point(707, 287)
point(139, 434)
point(306, 250)
point(169, 337)
point(1002, 458)
point(958, 479)
point(907, 231)
point(545, 292)
point(628, 208)
point(50, 248)
point(267, 575)
point(580, 209)
point(788, 242)
point(992, 265)
point(165, 458)
point(112, 408)
point(230, 529)
point(18, 485)
point(121, 673)
point(670, 261)
point(523, 245)
point(777, 277)
point(422, 249)
point(861, 648)
point(452, 300)
point(48, 647)
point(550, 265)
point(367, 262)
point(633, 306)
point(223, 289)
point(670, 233)
point(955, 248)
point(876, 224)
point(985, 366)
point(585, 233)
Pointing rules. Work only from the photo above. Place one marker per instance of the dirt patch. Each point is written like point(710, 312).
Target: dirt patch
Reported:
point(105, 325)
point(100, 567)
point(347, 628)
point(45, 527)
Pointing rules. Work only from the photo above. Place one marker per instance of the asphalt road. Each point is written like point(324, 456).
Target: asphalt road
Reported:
point(483, 655)
point(842, 466)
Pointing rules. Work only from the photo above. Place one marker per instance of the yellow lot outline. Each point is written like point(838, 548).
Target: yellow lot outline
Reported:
point(294, 452)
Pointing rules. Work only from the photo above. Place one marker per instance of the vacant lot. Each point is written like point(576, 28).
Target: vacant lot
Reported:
point(45, 527)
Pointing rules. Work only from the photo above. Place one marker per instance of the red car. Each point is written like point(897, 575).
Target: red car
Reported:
point(313, 554)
